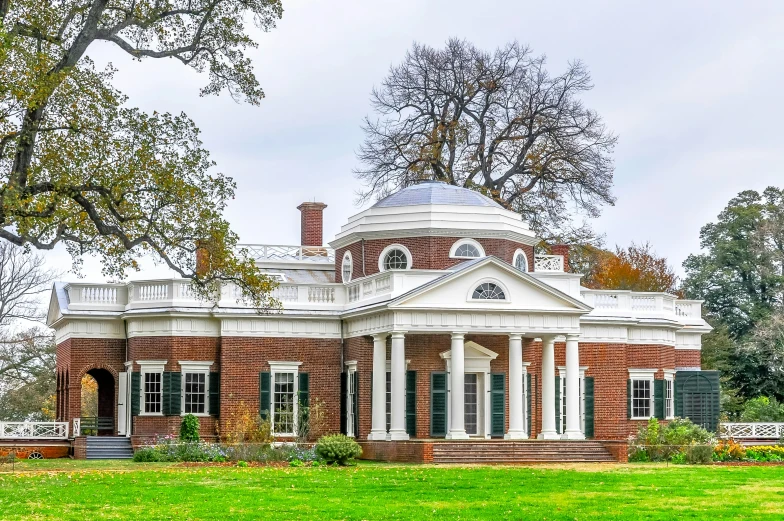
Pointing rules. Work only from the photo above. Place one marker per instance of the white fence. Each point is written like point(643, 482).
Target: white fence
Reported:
point(33, 430)
point(756, 430)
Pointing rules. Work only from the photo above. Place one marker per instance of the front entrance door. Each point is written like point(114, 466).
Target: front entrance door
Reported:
point(472, 416)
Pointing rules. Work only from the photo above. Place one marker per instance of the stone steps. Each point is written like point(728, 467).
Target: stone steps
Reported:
point(109, 447)
point(520, 452)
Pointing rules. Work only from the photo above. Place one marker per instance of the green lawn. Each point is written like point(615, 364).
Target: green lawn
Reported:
point(64, 490)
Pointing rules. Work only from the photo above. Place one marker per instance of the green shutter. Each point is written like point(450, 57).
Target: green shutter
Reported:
point(215, 394)
point(697, 397)
point(304, 389)
point(679, 377)
point(497, 404)
point(356, 404)
point(411, 403)
point(557, 403)
point(529, 410)
point(628, 398)
point(344, 403)
point(589, 406)
point(172, 389)
point(264, 395)
point(136, 391)
point(658, 399)
point(438, 404)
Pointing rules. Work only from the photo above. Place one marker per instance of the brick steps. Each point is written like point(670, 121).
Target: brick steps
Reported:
point(109, 447)
point(538, 451)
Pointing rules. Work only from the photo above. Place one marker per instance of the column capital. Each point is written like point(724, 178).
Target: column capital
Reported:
point(380, 337)
point(458, 334)
point(398, 334)
point(515, 336)
point(573, 337)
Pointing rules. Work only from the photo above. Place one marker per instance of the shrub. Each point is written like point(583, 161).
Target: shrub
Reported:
point(189, 428)
point(729, 450)
point(338, 448)
point(762, 409)
point(700, 454)
point(244, 426)
point(765, 453)
point(147, 455)
point(664, 442)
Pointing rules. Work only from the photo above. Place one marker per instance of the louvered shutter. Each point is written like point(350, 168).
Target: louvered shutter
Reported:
point(589, 394)
point(438, 404)
point(136, 392)
point(628, 398)
point(214, 394)
point(344, 403)
point(172, 393)
point(411, 403)
point(658, 399)
point(557, 403)
point(304, 398)
point(497, 404)
point(529, 410)
point(264, 395)
point(356, 404)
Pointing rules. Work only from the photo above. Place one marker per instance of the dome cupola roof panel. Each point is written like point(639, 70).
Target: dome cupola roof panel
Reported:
point(435, 192)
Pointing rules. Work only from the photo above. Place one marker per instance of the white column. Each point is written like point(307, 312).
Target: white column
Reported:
point(379, 427)
point(457, 390)
point(548, 390)
point(516, 420)
point(397, 427)
point(572, 430)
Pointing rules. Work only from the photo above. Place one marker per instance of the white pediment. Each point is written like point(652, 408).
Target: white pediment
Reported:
point(472, 350)
point(53, 313)
point(522, 291)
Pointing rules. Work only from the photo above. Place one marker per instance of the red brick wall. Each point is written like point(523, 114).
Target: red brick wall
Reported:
point(428, 253)
point(242, 359)
point(312, 223)
point(688, 358)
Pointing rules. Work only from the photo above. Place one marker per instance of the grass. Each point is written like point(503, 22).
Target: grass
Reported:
point(65, 490)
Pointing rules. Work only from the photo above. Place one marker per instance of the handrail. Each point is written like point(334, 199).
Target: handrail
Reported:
point(752, 430)
point(34, 430)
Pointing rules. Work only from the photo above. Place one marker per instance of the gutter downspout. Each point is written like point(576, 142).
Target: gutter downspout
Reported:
point(363, 259)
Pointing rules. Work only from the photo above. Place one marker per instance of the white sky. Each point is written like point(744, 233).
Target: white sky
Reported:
point(693, 89)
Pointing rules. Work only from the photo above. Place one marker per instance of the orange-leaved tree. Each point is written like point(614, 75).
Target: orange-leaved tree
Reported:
point(636, 268)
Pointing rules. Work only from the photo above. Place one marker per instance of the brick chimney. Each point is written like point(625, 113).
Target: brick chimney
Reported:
point(202, 258)
point(312, 223)
point(563, 250)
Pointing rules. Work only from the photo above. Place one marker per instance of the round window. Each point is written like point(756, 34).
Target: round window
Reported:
point(467, 250)
point(488, 291)
point(395, 259)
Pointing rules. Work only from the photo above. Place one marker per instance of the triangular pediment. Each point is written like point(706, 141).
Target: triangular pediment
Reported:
point(472, 350)
point(53, 313)
point(521, 291)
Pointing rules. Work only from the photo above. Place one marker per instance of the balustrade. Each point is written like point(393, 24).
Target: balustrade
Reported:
point(34, 430)
point(752, 430)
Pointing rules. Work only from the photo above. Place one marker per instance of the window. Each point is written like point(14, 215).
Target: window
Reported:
point(488, 291)
point(669, 396)
point(395, 260)
point(521, 260)
point(351, 397)
point(151, 386)
point(195, 393)
point(580, 392)
point(284, 396)
point(277, 277)
point(347, 268)
point(466, 249)
point(389, 400)
point(641, 389)
point(153, 395)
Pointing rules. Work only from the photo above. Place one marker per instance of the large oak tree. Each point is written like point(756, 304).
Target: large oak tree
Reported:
point(78, 166)
point(498, 123)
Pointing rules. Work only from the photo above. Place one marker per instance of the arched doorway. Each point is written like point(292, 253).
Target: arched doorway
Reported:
point(97, 414)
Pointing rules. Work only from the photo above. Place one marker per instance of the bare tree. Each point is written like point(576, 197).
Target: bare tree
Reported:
point(23, 279)
point(497, 123)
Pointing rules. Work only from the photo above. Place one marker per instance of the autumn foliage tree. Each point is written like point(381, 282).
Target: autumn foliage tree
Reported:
point(80, 167)
point(636, 268)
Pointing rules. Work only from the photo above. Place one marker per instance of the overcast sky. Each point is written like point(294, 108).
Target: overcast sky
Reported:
point(692, 89)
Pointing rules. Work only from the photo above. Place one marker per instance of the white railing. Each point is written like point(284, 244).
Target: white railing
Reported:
point(616, 302)
point(688, 308)
point(99, 295)
point(284, 253)
point(286, 293)
point(147, 292)
point(373, 285)
point(752, 430)
point(606, 301)
point(549, 263)
point(34, 430)
point(321, 294)
point(641, 303)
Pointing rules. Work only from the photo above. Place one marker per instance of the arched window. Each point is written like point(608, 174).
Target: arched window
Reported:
point(488, 291)
point(466, 249)
point(521, 260)
point(346, 268)
point(395, 259)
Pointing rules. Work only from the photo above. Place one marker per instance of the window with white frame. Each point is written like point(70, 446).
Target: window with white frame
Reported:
point(488, 291)
point(581, 393)
point(466, 249)
point(151, 386)
point(351, 396)
point(521, 260)
point(195, 387)
point(669, 395)
point(284, 397)
point(347, 267)
point(641, 393)
point(395, 257)
point(389, 400)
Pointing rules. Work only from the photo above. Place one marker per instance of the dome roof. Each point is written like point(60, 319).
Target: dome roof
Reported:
point(435, 192)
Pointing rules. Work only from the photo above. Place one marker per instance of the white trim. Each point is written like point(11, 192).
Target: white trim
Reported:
point(517, 253)
point(286, 368)
point(460, 242)
point(347, 257)
point(194, 367)
point(643, 375)
point(150, 367)
point(391, 247)
point(669, 377)
point(351, 369)
point(562, 384)
point(469, 297)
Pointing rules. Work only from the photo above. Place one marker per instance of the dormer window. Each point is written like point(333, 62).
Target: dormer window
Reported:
point(488, 291)
point(395, 257)
point(347, 267)
point(466, 249)
point(277, 277)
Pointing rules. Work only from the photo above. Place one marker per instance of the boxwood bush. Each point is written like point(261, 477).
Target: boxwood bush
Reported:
point(338, 449)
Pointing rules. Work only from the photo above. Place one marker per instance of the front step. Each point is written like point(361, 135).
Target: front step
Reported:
point(534, 451)
point(109, 447)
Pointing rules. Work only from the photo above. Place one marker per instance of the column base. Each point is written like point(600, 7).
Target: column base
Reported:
point(456, 435)
point(515, 435)
point(548, 435)
point(573, 435)
point(398, 436)
point(377, 436)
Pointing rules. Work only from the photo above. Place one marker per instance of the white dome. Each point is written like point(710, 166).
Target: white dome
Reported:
point(435, 192)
